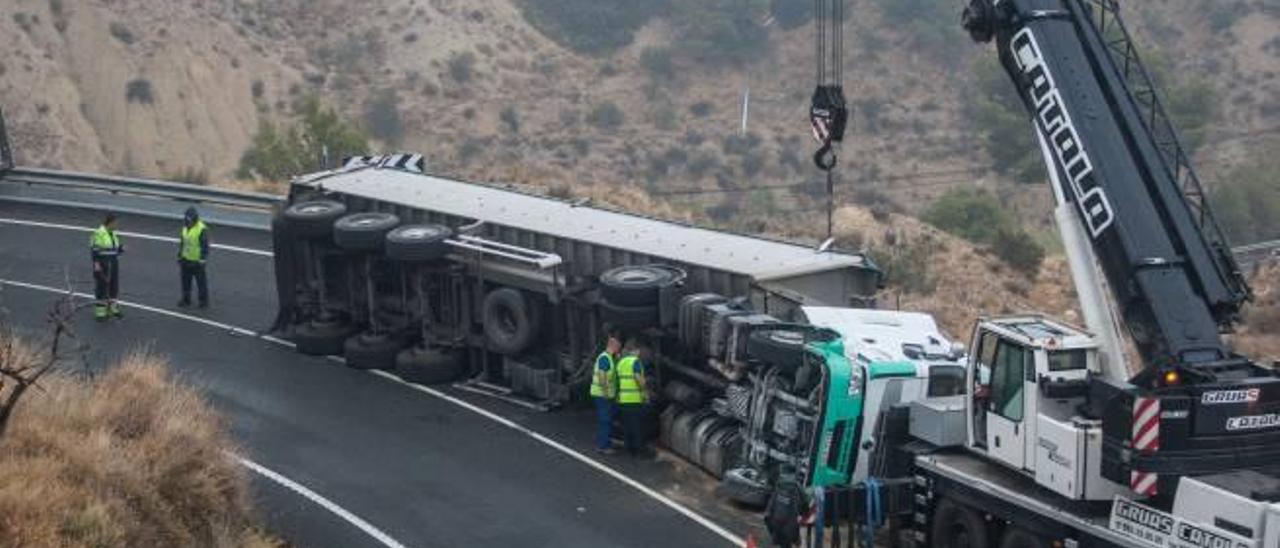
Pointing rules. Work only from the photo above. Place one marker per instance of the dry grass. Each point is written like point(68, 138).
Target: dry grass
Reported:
point(1260, 336)
point(127, 459)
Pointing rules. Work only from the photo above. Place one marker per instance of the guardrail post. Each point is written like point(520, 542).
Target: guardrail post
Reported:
point(6, 153)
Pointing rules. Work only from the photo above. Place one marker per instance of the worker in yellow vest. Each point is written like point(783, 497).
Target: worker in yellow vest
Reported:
point(193, 257)
point(633, 397)
point(105, 249)
point(604, 390)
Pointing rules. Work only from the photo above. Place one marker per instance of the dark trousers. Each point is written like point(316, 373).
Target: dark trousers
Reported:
point(193, 270)
point(106, 280)
point(635, 424)
point(604, 422)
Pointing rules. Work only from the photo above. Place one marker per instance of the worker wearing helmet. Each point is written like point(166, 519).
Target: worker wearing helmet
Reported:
point(105, 250)
point(193, 256)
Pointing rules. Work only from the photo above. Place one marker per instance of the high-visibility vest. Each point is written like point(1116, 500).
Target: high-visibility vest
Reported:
point(629, 392)
point(598, 390)
point(191, 242)
point(104, 243)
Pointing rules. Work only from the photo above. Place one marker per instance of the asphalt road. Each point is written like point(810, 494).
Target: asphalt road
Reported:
point(423, 469)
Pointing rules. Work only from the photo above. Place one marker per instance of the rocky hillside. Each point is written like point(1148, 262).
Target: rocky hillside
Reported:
point(513, 91)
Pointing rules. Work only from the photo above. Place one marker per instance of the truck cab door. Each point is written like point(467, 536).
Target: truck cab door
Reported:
point(1005, 411)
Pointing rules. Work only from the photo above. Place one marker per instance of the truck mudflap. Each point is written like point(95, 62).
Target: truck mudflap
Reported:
point(1150, 527)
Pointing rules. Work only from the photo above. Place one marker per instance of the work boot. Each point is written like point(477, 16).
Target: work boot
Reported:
point(115, 311)
point(184, 303)
point(204, 304)
point(100, 312)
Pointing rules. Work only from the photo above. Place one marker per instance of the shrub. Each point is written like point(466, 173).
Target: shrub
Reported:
point(658, 63)
point(462, 66)
point(139, 91)
point(279, 153)
point(382, 116)
point(606, 116)
point(1247, 202)
point(191, 176)
point(511, 119)
point(121, 32)
point(701, 109)
point(977, 216)
point(718, 31)
point(790, 13)
point(906, 266)
point(590, 26)
point(1019, 250)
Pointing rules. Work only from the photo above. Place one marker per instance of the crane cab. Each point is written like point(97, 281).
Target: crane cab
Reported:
point(1027, 377)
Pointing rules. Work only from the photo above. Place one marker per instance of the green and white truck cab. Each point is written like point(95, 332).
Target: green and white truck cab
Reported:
point(869, 361)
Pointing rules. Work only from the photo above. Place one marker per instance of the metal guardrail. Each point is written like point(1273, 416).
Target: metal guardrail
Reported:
point(142, 187)
point(1250, 255)
point(1247, 256)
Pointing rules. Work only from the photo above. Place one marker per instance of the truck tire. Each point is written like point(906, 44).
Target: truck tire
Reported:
point(371, 351)
point(321, 338)
point(1019, 538)
point(430, 365)
point(746, 486)
point(780, 348)
point(313, 219)
point(364, 232)
point(418, 243)
point(629, 317)
point(957, 526)
point(511, 321)
point(637, 285)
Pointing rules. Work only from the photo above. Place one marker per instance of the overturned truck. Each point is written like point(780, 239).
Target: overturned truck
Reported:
point(511, 294)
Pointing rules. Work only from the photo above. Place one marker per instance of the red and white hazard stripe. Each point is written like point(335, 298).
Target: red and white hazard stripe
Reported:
point(1146, 440)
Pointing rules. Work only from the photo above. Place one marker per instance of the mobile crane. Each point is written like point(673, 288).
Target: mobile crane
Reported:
point(1059, 440)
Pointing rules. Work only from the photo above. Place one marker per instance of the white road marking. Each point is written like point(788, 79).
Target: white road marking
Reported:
point(325, 503)
point(573, 453)
point(339, 511)
point(564, 449)
point(136, 235)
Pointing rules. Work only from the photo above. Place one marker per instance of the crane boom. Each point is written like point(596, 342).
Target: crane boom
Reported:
point(1130, 203)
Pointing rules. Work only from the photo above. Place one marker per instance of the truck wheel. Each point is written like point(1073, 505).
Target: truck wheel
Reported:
point(419, 243)
point(371, 351)
point(313, 219)
point(511, 321)
point(364, 231)
point(957, 526)
point(1019, 538)
point(747, 487)
point(637, 285)
point(629, 317)
point(321, 338)
point(429, 365)
point(780, 348)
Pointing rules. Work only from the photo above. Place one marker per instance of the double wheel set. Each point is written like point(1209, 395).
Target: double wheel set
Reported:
point(368, 332)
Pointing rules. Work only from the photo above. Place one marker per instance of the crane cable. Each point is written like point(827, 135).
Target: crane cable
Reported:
point(828, 112)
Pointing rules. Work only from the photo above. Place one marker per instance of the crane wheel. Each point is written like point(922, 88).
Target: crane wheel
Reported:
point(321, 338)
point(957, 526)
point(371, 351)
point(1020, 538)
point(429, 365)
